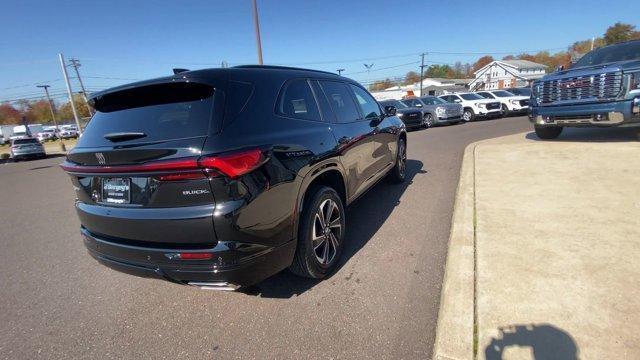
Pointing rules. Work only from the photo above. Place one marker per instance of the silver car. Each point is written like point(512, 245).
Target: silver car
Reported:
point(26, 148)
point(436, 111)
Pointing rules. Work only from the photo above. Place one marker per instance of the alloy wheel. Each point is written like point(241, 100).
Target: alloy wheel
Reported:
point(327, 231)
point(466, 116)
point(428, 121)
point(402, 158)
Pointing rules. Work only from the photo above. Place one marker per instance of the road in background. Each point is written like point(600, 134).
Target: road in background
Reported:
point(57, 302)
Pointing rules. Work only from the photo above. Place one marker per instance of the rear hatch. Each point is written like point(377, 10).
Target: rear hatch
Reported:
point(135, 168)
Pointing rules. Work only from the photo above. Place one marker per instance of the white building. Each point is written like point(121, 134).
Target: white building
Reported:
point(430, 86)
point(500, 74)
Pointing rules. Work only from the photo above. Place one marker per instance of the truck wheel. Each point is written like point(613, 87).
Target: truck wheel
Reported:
point(468, 115)
point(321, 234)
point(548, 132)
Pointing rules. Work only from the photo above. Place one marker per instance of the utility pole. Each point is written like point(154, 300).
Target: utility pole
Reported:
point(368, 66)
point(421, 71)
point(76, 64)
point(69, 92)
point(256, 23)
point(53, 116)
point(340, 71)
point(593, 40)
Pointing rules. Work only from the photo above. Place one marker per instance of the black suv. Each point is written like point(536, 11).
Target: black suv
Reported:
point(220, 178)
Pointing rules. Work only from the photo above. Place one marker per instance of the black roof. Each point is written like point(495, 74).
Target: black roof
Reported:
point(214, 74)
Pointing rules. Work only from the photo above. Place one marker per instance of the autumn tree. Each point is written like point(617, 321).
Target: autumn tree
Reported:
point(411, 77)
point(66, 113)
point(39, 112)
point(482, 62)
point(9, 114)
point(620, 32)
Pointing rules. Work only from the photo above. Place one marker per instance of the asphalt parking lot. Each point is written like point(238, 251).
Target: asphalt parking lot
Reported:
point(57, 302)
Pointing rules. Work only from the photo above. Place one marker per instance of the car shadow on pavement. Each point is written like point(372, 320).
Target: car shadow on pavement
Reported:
point(611, 134)
point(545, 341)
point(364, 217)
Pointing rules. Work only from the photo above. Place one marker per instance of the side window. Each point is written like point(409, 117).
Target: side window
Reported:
point(341, 101)
point(410, 102)
point(447, 98)
point(368, 104)
point(297, 101)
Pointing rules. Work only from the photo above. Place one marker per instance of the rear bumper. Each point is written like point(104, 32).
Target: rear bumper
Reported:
point(17, 154)
point(618, 113)
point(232, 263)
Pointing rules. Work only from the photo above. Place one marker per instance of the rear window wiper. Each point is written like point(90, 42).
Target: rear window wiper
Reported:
point(121, 136)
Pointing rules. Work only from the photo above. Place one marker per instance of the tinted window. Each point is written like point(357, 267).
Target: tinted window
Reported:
point(26, 141)
point(471, 97)
point(341, 101)
point(162, 112)
point(485, 95)
point(297, 101)
point(502, 93)
point(368, 104)
point(395, 103)
point(432, 100)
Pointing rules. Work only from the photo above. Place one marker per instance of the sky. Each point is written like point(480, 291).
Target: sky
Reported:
point(123, 41)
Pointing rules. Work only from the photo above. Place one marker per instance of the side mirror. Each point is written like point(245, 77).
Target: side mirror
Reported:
point(390, 110)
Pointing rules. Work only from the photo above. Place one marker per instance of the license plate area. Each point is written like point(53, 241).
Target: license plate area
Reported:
point(116, 190)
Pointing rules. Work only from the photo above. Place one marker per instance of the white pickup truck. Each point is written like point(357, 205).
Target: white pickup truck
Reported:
point(511, 103)
point(474, 106)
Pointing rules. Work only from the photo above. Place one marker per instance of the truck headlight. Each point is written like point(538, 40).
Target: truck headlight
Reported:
point(514, 102)
point(481, 105)
point(634, 81)
point(440, 111)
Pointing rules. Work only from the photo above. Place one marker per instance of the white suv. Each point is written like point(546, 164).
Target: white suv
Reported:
point(474, 105)
point(511, 103)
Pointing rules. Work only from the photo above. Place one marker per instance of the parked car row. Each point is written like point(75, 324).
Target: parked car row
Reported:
point(425, 112)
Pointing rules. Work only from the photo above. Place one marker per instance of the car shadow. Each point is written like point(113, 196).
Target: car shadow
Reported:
point(544, 340)
point(609, 134)
point(364, 218)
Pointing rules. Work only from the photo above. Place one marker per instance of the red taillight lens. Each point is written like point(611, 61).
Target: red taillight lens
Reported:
point(195, 256)
point(234, 165)
point(231, 165)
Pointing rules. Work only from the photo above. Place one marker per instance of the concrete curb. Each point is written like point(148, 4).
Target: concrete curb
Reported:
point(455, 330)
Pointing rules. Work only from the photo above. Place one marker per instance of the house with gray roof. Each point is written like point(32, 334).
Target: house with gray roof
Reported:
point(500, 74)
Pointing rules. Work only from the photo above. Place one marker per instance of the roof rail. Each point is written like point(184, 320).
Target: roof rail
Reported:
point(281, 68)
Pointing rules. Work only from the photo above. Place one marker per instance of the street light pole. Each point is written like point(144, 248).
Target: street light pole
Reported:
point(256, 23)
point(340, 71)
point(53, 116)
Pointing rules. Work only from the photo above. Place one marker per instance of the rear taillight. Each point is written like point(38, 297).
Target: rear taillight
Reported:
point(234, 165)
point(231, 165)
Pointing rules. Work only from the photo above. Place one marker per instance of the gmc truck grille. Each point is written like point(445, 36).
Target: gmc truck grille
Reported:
point(586, 88)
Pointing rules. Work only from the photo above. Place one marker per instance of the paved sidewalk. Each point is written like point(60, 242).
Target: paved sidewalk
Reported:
point(555, 253)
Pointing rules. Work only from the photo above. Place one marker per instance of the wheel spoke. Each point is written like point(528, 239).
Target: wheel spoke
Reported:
point(325, 253)
point(335, 223)
point(334, 242)
point(320, 218)
point(330, 206)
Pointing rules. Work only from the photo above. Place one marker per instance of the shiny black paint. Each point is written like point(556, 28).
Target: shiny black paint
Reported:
point(256, 211)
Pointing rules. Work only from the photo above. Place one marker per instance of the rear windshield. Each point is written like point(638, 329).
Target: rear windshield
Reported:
point(25, 141)
point(161, 112)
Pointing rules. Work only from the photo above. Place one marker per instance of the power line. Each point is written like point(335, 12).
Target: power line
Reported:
point(384, 68)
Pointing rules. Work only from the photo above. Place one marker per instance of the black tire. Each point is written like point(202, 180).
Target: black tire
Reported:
point(398, 173)
point(309, 259)
point(468, 115)
point(548, 132)
point(428, 120)
point(505, 110)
